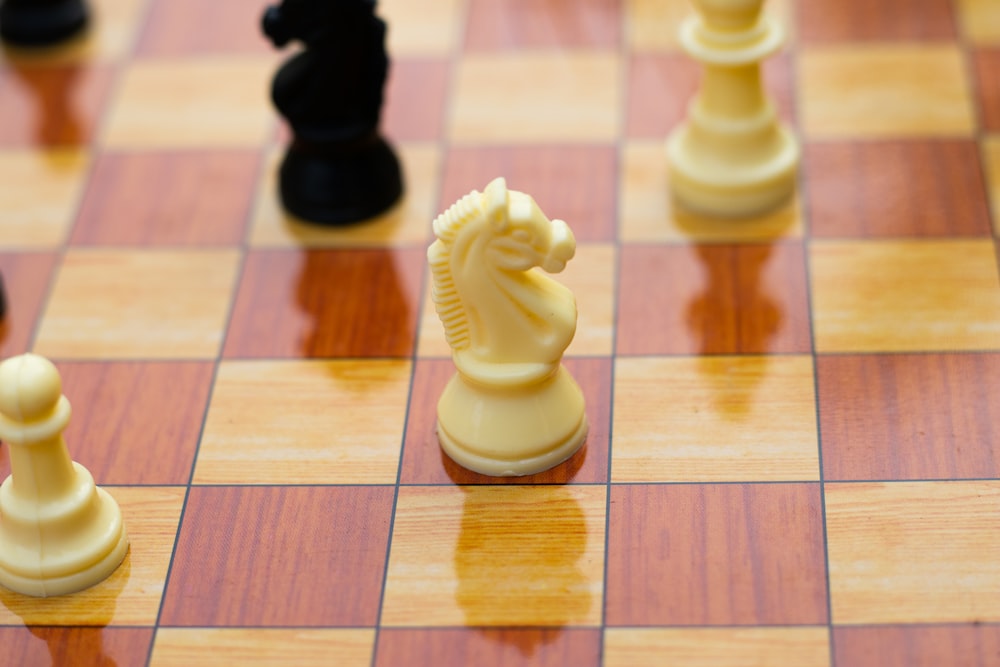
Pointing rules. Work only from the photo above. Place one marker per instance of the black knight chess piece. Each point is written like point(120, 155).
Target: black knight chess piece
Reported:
point(3, 299)
point(338, 169)
point(41, 22)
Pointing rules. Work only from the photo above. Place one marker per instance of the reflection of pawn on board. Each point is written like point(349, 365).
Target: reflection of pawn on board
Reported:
point(59, 533)
point(731, 157)
point(338, 169)
point(512, 408)
point(41, 22)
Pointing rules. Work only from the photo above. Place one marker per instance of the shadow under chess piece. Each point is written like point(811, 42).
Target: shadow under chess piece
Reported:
point(41, 22)
point(731, 157)
point(59, 532)
point(339, 169)
point(512, 408)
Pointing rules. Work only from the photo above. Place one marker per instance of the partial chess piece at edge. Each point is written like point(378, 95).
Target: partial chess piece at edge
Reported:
point(59, 532)
point(512, 408)
point(731, 157)
point(41, 22)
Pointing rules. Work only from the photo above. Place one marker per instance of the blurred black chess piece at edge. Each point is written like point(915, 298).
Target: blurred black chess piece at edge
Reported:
point(41, 22)
point(3, 299)
point(338, 169)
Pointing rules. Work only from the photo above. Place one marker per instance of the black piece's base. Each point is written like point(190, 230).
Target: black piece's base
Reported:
point(340, 184)
point(41, 22)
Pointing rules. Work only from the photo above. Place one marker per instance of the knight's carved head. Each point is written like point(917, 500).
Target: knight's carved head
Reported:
point(524, 236)
point(309, 20)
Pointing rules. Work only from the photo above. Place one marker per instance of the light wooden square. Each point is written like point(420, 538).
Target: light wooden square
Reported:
point(305, 422)
point(980, 21)
point(714, 419)
point(422, 27)
point(654, 25)
point(589, 275)
point(132, 304)
point(262, 647)
point(496, 556)
point(40, 195)
point(406, 223)
point(716, 647)
point(206, 102)
point(876, 91)
point(544, 96)
point(131, 595)
point(893, 296)
point(991, 164)
point(647, 214)
point(914, 552)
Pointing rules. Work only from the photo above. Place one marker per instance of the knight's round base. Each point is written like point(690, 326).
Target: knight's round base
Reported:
point(41, 23)
point(734, 191)
point(506, 432)
point(338, 185)
point(49, 587)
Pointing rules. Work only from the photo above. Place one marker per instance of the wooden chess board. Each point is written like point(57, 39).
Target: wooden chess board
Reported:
point(794, 457)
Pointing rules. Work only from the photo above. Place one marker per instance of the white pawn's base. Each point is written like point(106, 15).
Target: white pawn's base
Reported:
point(714, 186)
point(514, 430)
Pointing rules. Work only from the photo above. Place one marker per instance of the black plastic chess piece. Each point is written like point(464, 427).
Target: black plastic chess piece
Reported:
point(41, 22)
point(3, 299)
point(338, 169)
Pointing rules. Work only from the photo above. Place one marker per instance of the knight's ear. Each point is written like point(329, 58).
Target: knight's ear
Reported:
point(496, 199)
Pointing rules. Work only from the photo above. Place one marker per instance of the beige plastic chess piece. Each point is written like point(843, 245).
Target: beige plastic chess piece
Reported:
point(731, 157)
point(59, 533)
point(512, 408)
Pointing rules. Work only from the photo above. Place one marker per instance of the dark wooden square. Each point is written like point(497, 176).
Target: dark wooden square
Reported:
point(101, 647)
point(327, 303)
point(716, 554)
point(25, 278)
point(861, 20)
point(917, 645)
point(494, 25)
point(193, 27)
point(909, 416)
point(424, 462)
point(712, 299)
point(572, 183)
point(489, 647)
point(986, 70)
point(280, 556)
point(415, 96)
point(168, 198)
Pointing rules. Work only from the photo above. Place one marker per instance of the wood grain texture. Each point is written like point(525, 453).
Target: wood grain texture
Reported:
point(712, 299)
point(132, 594)
point(979, 20)
point(496, 556)
point(494, 25)
point(262, 647)
point(896, 189)
point(986, 70)
point(26, 278)
point(923, 416)
point(830, 21)
point(716, 647)
point(416, 99)
point(56, 105)
point(744, 419)
point(326, 303)
point(170, 198)
point(917, 646)
point(40, 194)
point(914, 552)
point(425, 463)
point(646, 213)
point(489, 647)
point(223, 26)
point(99, 647)
point(132, 304)
point(134, 423)
point(885, 92)
point(571, 96)
point(307, 556)
point(990, 148)
point(897, 296)
point(304, 422)
point(571, 183)
point(725, 554)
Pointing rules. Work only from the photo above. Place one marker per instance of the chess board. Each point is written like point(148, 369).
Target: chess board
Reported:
point(793, 458)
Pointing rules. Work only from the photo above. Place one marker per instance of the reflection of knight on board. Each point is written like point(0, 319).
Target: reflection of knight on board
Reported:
point(338, 169)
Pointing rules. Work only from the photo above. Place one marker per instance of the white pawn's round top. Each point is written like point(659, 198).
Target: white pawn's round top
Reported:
point(30, 387)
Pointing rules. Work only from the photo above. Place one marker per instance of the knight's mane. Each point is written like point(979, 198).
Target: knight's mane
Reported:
point(445, 296)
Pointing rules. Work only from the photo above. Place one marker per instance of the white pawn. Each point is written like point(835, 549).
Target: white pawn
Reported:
point(731, 157)
point(59, 533)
